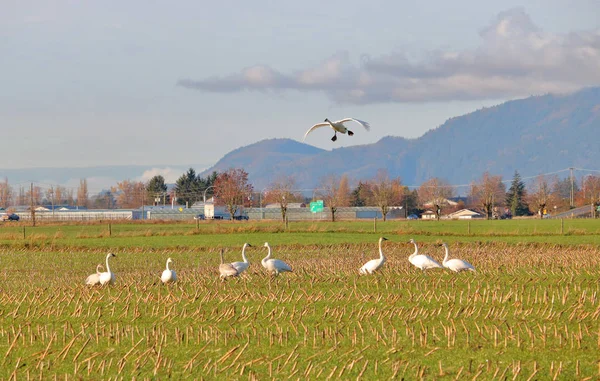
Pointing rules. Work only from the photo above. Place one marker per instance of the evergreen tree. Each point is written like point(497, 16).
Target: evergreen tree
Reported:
point(357, 195)
point(515, 197)
point(156, 189)
point(189, 188)
point(205, 183)
point(186, 188)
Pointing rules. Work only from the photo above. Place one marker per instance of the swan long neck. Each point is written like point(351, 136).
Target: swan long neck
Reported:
point(381, 256)
point(447, 254)
point(98, 269)
point(416, 250)
point(244, 253)
point(107, 267)
point(221, 254)
point(168, 265)
point(268, 255)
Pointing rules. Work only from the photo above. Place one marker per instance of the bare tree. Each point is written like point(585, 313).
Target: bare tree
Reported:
point(335, 193)
point(434, 193)
point(488, 192)
point(82, 194)
point(59, 195)
point(68, 197)
point(34, 196)
point(385, 192)
point(51, 196)
point(233, 190)
point(130, 194)
point(540, 195)
point(281, 191)
point(5, 194)
point(21, 200)
point(591, 193)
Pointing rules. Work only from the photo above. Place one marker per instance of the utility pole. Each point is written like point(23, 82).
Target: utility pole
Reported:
point(571, 200)
point(31, 206)
point(52, 194)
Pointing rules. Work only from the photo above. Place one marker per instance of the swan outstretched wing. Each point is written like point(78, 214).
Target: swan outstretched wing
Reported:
point(366, 125)
point(322, 124)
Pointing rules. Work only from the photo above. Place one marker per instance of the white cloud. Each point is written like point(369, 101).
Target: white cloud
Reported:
point(515, 58)
point(170, 174)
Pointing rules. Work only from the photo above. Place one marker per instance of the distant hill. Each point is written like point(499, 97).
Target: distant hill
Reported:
point(535, 135)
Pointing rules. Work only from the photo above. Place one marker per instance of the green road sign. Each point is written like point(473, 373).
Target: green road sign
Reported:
point(316, 206)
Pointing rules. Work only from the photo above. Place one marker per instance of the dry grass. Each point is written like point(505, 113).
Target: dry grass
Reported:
point(530, 312)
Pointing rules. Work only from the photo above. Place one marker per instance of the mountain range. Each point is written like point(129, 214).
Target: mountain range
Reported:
point(535, 135)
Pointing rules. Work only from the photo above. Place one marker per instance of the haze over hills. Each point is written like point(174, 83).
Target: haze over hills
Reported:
point(98, 178)
point(535, 135)
point(539, 134)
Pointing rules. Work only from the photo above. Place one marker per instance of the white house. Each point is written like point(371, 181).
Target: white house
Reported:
point(464, 214)
point(428, 215)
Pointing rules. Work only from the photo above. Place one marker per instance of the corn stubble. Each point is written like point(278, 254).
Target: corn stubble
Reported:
point(530, 312)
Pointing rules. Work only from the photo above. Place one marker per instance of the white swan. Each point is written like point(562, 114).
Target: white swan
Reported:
point(338, 126)
point(168, 275)
point(226, 269)
point(275, 266)
point(374, 264)
point(107, 276)
point(242, 266)
point(456, 265)
point(422, 261)
point(94, 279)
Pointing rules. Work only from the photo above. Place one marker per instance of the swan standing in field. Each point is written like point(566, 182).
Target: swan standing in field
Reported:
point(422, 261)
point(168, 275)
point(456, 265)
point(242, 266)
point(107, 276)
point(274, 266)
point(338, 126)
point(374, 264)
point(226, 269)
point(94, 279)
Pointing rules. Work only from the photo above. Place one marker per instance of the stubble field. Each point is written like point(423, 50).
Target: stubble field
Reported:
point(531, 310)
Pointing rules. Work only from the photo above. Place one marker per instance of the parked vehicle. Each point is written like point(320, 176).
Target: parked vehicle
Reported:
point(199, 217)
point(220, 212)
point(412, 217)
point(10, 217)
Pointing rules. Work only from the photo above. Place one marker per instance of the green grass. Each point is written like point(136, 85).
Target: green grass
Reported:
point(146, 235)
point(532, 308)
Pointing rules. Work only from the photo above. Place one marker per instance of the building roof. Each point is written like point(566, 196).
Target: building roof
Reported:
point(464, 213)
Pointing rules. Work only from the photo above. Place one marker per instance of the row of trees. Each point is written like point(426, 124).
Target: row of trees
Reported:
point(232, 188)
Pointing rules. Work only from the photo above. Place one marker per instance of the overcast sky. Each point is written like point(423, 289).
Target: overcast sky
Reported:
point(179, 84)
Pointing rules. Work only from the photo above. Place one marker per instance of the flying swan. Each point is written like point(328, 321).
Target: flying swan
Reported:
point(374, 264)
point(338, 126)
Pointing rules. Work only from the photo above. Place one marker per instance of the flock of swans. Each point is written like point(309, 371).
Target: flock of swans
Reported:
point(226, 270)
point(277, 266)
point(421, 261)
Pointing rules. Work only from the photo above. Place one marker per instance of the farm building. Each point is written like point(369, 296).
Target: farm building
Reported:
point(464, 214)
point(428, 215)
